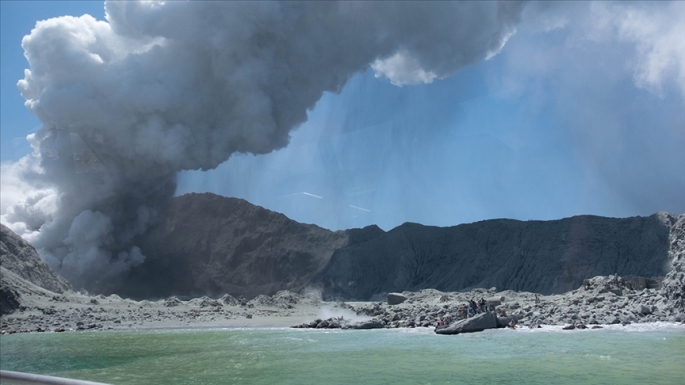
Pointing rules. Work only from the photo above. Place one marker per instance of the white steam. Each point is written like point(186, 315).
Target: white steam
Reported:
point(330, 311)
point(160, 87)
point(657, 33)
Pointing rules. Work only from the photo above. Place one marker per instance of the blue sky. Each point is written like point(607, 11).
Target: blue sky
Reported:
point(567, 119)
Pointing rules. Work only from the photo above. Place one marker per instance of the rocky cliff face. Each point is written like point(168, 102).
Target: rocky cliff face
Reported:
point(19, 257)
point(210, 244)
point(673, 287)
point(536, 256)
point(213, 245)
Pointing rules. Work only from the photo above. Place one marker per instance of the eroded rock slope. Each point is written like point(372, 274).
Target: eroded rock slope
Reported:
point(673, 288)
point(212, 245)
point(535, 256)
point(18, 256)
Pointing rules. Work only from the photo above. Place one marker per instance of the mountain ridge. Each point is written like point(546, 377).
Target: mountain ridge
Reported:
point(506, 254)
point(230, 245)
point(207, 244)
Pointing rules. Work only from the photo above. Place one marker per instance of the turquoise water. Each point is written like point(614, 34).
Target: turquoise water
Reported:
point(409, 356)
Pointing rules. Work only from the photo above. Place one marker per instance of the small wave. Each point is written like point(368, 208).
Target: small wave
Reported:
point(636, 327)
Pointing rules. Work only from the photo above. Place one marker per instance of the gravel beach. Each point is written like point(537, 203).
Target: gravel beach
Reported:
point(601, 301)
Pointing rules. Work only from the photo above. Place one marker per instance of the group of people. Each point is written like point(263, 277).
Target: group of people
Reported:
point(466, 311)
point(477, 307)
point(471, 309)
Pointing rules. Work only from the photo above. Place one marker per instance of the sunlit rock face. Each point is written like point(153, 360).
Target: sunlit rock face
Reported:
point(19, 257)
point(673, 287)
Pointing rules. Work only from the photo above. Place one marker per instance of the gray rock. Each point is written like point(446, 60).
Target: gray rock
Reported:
point(643, 309)
point(371, 324)
point(396, 298)
point(209, 302)
point(9, 299)
point(229, 300)
point(673, 284)
point(503, 321)
point(477, 323)
point(534, 256)
point(494, 301)
point(246, 250)
point(19, 257)
point(172, 302)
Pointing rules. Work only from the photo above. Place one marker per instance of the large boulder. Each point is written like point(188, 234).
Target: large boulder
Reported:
point(642, 309)
point(494, 301)
point(370, 324)
point(396, 298)
point(503, 321)
point(477, 323)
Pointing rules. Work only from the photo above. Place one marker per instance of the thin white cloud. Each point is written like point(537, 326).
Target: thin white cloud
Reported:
point(403, 69)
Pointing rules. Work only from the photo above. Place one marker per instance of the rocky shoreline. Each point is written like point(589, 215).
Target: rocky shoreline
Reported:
point(44, 311)
point(600, 301)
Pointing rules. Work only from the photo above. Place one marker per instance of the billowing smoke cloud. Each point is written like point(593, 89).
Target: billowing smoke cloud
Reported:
point(161, 87)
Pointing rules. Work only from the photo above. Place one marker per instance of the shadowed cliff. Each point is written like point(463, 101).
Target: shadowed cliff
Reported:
point(209, 244)
point(537, 256)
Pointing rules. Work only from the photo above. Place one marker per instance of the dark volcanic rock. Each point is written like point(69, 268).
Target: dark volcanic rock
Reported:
point(19, 257)
point(209, 244)
point(371, 324)
point(477, 323)
point(9, 299)
point(536, 256)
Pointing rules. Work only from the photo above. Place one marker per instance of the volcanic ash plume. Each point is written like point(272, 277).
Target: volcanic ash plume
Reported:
point(160, 87)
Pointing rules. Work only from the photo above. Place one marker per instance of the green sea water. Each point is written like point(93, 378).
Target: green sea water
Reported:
point(622, 355)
